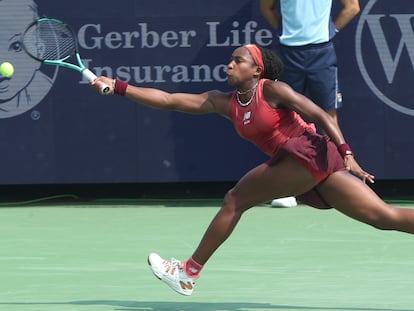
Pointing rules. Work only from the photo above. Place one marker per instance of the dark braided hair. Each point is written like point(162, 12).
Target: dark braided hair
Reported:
point(272, 63)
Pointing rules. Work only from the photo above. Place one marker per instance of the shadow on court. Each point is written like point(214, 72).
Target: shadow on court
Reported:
point(121, 305)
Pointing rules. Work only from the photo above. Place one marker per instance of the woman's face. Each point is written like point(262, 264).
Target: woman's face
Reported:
point(241, 67)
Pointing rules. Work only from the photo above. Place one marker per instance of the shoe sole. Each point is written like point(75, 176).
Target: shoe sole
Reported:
point(149, 264)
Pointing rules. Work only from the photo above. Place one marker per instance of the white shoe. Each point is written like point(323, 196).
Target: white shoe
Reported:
point(172, 274)
point(285, 202)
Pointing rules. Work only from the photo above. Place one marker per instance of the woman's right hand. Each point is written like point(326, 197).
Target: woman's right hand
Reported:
point(100, 81)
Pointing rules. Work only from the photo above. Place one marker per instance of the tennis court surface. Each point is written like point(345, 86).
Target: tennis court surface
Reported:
point(92, 257)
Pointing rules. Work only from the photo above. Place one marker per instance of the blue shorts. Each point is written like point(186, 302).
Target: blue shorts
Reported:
point(312, 70)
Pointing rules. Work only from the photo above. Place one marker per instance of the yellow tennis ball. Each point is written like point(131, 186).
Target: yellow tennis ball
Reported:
point(6, 69)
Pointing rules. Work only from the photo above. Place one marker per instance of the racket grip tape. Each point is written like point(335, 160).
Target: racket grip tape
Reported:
point(90, 76)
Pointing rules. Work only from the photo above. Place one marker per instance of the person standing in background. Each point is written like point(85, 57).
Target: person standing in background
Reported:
point(305, 30)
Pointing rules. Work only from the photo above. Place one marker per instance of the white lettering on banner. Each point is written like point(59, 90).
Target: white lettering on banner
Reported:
point(262, 37)
point(94, 36)
point(389, 53)
point(90, 37)
point(162, 74)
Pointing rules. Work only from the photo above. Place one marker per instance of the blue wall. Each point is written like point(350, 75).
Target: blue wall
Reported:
point(55, 129)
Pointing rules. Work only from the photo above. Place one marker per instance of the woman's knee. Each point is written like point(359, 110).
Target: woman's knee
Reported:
point(383, 219)
point(232, 201)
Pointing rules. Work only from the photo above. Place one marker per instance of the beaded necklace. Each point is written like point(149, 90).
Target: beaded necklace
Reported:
point(245, 92)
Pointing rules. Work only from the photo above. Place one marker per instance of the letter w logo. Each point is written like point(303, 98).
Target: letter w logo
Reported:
point(389, 63)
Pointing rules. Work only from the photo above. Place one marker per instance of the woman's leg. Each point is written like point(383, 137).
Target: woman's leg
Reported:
point(261, 184)
point(352, 197)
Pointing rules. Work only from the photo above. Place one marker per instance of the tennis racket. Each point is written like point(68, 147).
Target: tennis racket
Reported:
point(53, 42)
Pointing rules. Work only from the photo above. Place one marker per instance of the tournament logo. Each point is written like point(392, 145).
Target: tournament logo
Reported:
point(385, 52)
point(30, 83)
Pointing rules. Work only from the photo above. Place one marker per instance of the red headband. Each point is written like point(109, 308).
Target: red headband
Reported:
point(256, 55)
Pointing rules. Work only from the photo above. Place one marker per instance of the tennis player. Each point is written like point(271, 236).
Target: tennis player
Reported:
point(302, 163)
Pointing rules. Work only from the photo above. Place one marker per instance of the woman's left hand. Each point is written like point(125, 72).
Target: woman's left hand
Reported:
point(352, 166)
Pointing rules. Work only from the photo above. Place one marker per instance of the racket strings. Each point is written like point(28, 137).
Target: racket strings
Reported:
point(49, 40)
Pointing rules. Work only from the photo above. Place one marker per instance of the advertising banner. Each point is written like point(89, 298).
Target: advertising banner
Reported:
point(57, 129)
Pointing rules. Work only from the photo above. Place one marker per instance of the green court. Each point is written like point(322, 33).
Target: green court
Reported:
point(57, 256)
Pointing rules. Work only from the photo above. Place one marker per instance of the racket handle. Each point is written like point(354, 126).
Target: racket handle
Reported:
point(89, 75)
